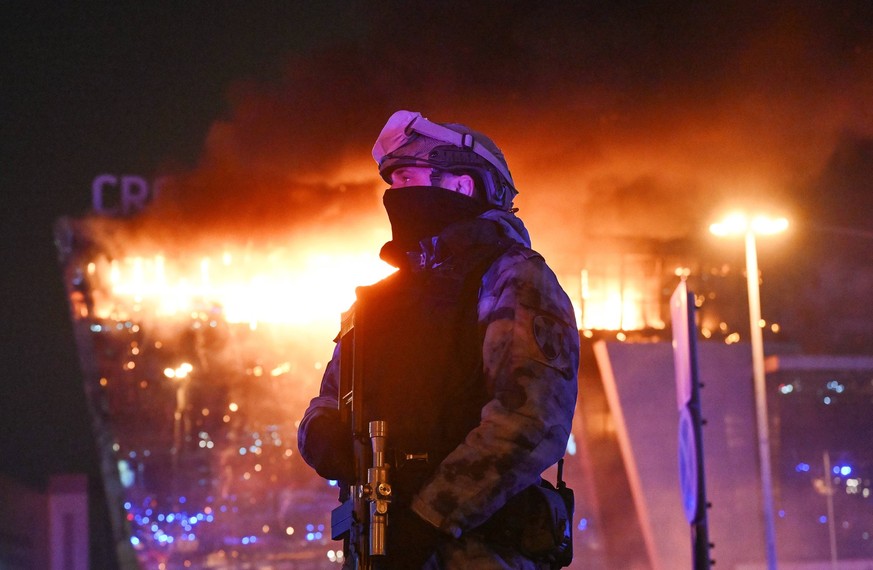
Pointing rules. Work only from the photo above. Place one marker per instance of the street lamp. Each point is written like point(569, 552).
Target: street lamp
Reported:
point(739, 224)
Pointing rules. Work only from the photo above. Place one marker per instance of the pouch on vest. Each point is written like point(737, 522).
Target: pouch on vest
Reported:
point(538, 522)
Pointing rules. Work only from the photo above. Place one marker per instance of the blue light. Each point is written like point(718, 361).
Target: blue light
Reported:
point(134, 541)
point(310, 527)
point(182, 499)
point(822, 519)
point(310, 536)
point(782, 513)
point(583, 524)
point(170, 517)
point(845, 470)
point(192, 520)
point(161, 517)
point(127, 506)
point(332, 482)
point(802, 467)
point(245, 540)
point(253, 539)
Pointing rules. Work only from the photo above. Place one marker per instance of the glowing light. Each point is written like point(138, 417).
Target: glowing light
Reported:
point(738, 223)
point(272, 287)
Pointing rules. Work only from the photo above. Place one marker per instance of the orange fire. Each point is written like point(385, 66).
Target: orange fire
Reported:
point(300, 288)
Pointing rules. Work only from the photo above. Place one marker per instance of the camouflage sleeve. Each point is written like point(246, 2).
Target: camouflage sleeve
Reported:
point(530, 358)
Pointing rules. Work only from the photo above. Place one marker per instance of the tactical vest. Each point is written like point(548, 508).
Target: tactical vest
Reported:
point(422, 361)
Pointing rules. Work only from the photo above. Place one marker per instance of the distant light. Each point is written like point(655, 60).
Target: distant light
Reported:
point(802, 467)
point(738, 223)
point(762, 225)
point(822, 519)
point(786, 388)
point(134, 541)
point(583, 524)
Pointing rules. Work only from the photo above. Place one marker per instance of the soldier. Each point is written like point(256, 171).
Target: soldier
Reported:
point(472, 352)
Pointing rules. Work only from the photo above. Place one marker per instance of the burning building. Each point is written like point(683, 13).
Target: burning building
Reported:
point(196, 371)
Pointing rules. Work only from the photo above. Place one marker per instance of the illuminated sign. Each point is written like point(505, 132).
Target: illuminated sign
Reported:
point(122, 195)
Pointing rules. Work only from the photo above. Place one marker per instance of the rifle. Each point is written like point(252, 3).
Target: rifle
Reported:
point(362, 517)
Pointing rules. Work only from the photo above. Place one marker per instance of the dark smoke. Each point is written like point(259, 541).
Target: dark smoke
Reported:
point(615, 119)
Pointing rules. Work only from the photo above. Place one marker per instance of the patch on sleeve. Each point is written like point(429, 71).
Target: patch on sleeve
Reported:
point(548, 335)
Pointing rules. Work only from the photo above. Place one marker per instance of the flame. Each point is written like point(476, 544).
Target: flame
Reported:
point(277, 287)
point(619, 302)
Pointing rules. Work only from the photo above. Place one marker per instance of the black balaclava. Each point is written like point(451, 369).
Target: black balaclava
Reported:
point(418, 213)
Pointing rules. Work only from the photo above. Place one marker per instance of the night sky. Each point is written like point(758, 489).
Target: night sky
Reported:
point(615, 119)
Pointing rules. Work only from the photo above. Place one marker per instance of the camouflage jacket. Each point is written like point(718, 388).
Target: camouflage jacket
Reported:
point(530, 359)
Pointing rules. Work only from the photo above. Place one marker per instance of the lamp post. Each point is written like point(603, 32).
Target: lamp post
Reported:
point(739, 224)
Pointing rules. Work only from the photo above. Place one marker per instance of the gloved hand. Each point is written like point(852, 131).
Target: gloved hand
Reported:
point(412, 541)
point(326, 444)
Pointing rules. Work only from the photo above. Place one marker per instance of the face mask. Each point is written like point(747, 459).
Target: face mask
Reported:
point(420, 212)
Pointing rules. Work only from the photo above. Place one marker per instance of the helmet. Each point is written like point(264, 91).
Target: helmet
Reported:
point(408, 139)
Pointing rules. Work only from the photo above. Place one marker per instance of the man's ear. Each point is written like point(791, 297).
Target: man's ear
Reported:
point(465, 185)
